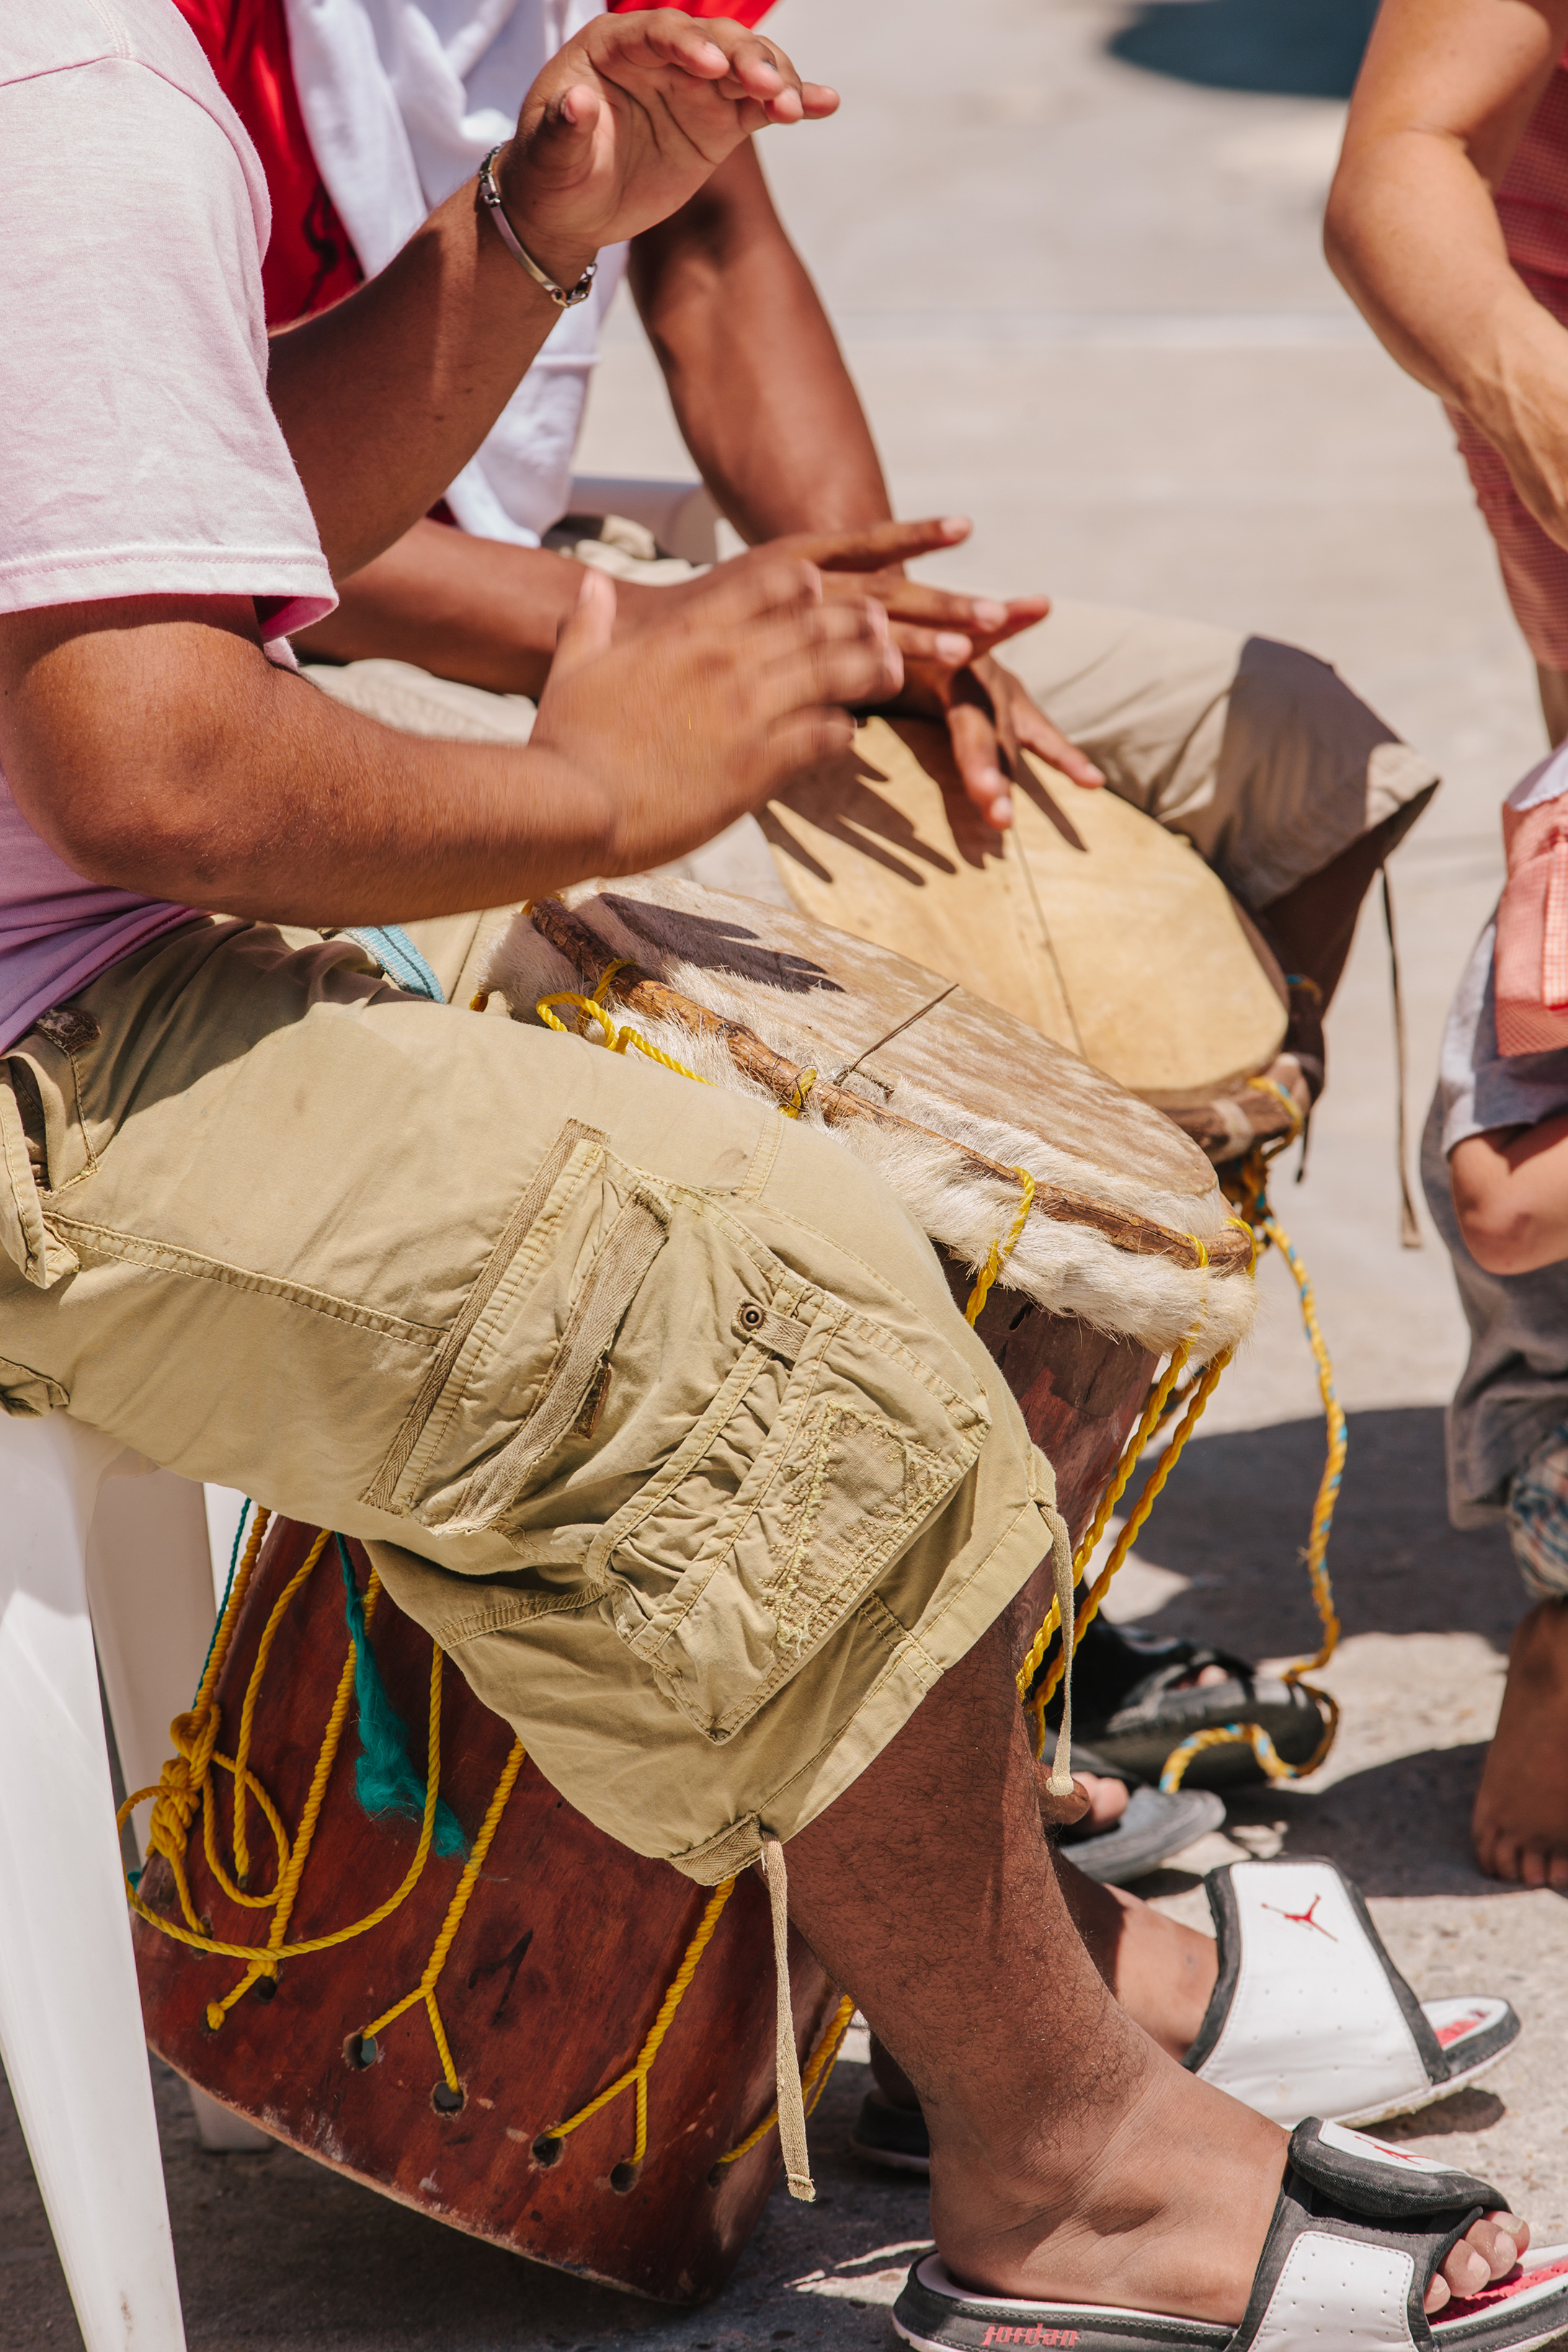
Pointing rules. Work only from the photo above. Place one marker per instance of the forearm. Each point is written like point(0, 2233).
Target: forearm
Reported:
point(1510, 1196)
point(467, 608)
point(384, 398)
point(1414, 237)
point(256, 794)
point(1445, 95)
point(756, 376)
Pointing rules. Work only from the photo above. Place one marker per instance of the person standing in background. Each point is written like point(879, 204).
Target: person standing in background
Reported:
point(1447, 224)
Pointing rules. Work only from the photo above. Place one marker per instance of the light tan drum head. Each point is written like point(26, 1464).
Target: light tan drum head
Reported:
point(1088, 922)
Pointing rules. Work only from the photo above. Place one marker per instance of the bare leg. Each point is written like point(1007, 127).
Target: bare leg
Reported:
point(1521, 1822)
point(1068, 2156)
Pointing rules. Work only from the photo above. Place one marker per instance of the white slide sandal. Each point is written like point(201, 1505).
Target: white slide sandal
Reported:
point(1357, 2238)
point(1310, 2016)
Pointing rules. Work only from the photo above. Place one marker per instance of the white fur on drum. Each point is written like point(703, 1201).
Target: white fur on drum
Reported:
point(1067, 1268)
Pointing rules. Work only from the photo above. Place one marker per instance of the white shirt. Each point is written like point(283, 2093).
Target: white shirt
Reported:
point(403, 100)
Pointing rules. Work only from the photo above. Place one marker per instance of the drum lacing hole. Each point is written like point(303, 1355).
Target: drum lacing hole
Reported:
point(716, 2177)
point(751, 1318)
point(625, 2178)
point(267, 1987)
point(445, 2100)
point(362, 2049)
point(548, 2151)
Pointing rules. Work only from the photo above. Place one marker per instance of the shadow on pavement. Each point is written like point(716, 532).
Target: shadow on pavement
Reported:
point(1401, 1828)
point(1234, 1521)
point(1293, 48)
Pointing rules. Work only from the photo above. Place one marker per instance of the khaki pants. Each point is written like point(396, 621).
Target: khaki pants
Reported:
point(1256, 751)
point(652, 1406)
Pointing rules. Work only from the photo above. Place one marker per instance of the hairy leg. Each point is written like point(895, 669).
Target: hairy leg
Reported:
point(1070, 2155)
point(1520, 1821)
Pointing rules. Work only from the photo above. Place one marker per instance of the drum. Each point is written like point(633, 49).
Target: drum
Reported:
point(1096, 924)
point(488, 2009)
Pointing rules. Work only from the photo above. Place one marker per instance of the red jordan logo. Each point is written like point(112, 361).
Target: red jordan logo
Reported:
point(1305, 1918)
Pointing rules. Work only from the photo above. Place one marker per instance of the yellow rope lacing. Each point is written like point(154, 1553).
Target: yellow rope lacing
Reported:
point(813, 2082)
point(592, 1008)
point(1251, 1194)
point(425, 1989)
point(1000, 1251)
point(642, 2065)
point(1089, 1609)
point(179, 1793)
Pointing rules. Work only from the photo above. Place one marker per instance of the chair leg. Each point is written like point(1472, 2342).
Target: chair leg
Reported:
point(150, 1572)
point(70, 2018)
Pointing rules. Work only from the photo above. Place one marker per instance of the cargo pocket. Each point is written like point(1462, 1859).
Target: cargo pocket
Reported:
point(828, 1448)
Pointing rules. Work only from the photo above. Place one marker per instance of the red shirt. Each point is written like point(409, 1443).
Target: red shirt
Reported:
point(310, 263)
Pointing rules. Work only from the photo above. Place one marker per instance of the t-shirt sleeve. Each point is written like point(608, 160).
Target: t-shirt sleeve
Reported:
point(1479, 1089)
point(139, 454)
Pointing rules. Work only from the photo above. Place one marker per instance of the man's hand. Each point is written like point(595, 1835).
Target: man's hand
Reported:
point(630, 118)
point(946, 639)
point(688, 726)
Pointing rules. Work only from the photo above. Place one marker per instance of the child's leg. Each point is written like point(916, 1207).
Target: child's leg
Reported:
point(1521, 1820)
point(1508, 1455)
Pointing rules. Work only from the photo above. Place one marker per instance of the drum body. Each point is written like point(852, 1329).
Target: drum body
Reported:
point(564, 1954)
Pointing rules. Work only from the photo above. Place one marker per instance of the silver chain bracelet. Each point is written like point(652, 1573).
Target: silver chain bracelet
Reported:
point(564, 298)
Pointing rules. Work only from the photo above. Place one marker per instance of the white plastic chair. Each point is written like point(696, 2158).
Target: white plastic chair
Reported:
point(682, 516)
point(70, 2019)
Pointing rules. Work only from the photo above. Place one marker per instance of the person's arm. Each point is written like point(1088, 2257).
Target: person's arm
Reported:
point(1446, 91)
point(385, 397)
point(1511, 1195)
point(153, 746)
point(758, 383)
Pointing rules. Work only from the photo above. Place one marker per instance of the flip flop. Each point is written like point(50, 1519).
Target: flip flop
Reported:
point(1309, 2014)
point(1357, 2238)
point(1153, 1826)
point(1133, 1697)
point(1307, 2011)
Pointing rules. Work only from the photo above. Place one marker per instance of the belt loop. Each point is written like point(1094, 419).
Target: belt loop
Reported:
point(39, 1257)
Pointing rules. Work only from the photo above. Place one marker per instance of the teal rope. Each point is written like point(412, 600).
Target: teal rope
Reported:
point(228, 1587)
point(385, 1779)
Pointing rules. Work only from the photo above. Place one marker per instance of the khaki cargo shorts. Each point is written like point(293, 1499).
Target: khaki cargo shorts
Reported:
point(652, 1406)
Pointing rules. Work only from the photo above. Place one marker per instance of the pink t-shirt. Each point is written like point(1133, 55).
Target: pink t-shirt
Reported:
point(139, 455)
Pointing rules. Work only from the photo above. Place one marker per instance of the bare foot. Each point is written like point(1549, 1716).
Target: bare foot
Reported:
point(1519, 1825)
point(1168, 2212)
point(1107, 1800)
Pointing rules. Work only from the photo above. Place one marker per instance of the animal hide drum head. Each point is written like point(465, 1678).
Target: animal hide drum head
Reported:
point(1088, 920)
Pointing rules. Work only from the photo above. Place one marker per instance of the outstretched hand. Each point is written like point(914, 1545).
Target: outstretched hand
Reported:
point(673, 732)
point(628, 120)
point(947, 640)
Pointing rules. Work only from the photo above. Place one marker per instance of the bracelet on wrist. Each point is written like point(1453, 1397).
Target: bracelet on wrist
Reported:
point(565, 297)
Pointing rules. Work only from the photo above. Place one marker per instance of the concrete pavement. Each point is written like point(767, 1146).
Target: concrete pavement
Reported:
point(1084, 302)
